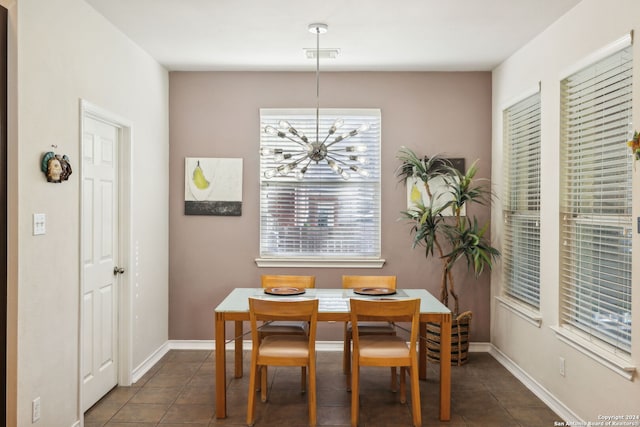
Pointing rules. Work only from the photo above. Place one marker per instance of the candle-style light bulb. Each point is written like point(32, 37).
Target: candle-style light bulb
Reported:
point(360, 171)
point(300, 173)
point(284, 124)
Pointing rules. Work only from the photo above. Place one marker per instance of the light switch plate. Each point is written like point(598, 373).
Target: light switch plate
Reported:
point(39, 224)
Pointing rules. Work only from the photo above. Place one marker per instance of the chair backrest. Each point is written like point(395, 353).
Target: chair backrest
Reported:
point(270, 280)
point(394, 310)
point(303, 309)
point(349, 282)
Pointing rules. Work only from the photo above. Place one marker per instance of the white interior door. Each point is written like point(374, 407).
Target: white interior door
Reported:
point(99, 259)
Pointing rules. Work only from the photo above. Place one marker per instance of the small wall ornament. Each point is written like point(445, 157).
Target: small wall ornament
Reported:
point(56, 167)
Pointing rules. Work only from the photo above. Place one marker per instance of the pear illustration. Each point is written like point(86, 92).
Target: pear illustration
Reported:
point(199, 179)
point(416, 197)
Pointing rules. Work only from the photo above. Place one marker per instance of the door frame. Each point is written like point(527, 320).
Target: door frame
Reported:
point(125, 165)
point(4, 189)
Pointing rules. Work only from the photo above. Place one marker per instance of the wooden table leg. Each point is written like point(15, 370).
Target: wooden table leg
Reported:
point(422, 351)
point(445, 368)
point(221, 375)
point(238, 349)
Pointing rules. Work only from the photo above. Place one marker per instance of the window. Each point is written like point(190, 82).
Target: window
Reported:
point(521, 244)
point(596, 222)
point(322, 215)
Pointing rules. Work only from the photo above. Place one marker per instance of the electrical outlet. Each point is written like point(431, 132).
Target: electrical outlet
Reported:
point(562, 366)
point(35, 410)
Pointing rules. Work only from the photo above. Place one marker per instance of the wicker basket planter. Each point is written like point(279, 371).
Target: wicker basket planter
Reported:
point(460, 328)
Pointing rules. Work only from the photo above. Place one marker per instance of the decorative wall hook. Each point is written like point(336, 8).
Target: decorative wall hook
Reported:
point(56, 167)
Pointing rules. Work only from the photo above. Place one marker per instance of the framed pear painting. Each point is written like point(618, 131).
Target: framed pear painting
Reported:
point(212, 186)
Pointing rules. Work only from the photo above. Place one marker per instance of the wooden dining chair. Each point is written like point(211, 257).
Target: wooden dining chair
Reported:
point(278, 280)
point(386, 350)
point(366, 328)
point(282, 350)
point(287, 327)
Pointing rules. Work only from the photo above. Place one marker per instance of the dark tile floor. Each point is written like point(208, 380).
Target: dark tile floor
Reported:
point(179, 390)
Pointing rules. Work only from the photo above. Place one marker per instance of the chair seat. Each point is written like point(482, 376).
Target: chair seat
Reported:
point(284, 327)
point(293, 346)
point(383, 346)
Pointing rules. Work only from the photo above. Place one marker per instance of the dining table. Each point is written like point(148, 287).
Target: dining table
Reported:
point(333, 306)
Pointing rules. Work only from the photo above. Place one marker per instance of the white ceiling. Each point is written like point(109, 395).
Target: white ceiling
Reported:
point(372, 35)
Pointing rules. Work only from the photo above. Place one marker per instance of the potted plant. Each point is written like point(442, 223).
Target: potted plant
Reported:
point(441, 226)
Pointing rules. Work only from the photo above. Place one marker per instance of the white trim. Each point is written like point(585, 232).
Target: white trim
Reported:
point(150, 361)
point(480, 347)
point(611, 48)
point(474, 347)
point(321, 262)
point(536, 388)
point(210, 345)
point(246, 345)
point(194, 345)
point(520, 310)
point(127, 256)
point(76, 424)
point(619, 365)
point(511, 101)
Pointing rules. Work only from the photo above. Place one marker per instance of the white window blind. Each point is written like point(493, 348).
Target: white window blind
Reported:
point(596, 202)
point(521, 244)
point(321, 215)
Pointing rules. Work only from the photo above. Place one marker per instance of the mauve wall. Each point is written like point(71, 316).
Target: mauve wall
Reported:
point(216, 114)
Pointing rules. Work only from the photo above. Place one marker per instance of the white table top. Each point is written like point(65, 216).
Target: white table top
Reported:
point(330, 300)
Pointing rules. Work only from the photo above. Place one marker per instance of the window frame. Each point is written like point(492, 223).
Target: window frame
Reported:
point(522, 141)
point(324, 180)
point(573, 216)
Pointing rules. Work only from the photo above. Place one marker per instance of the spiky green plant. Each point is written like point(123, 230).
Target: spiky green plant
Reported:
point(439, 226)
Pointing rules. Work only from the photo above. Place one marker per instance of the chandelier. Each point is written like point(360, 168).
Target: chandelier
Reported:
point(341, 158)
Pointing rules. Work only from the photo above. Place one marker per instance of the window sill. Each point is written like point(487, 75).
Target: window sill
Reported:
point(521, 310)
point(321, 262)
point(617, 364)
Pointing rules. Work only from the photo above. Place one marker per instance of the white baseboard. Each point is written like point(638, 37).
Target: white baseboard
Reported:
point(154, 358)
point(474, 347)
point(194, 345)
point(210, 345)
point(536, 388)
point(246, 345)
point(480, 347)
